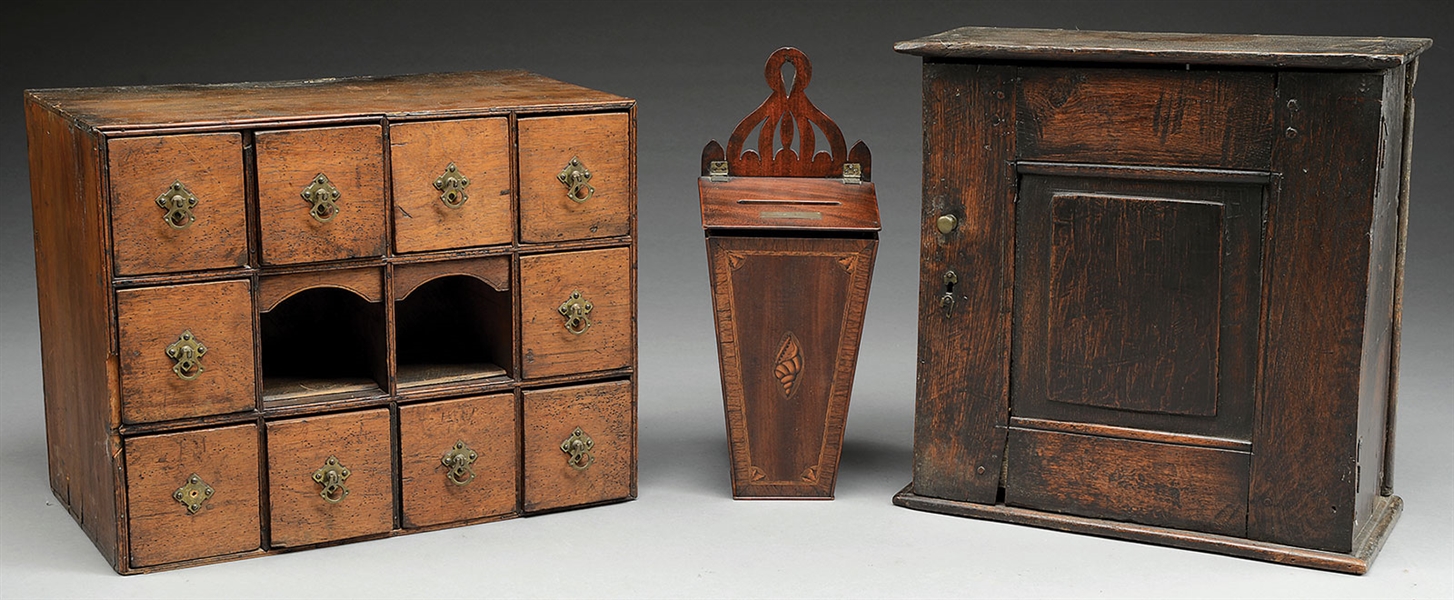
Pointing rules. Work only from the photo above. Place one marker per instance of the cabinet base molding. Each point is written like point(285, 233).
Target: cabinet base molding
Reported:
point(1370, 539)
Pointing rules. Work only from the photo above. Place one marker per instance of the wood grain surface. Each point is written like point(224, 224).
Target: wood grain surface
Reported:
point(299, 447)
point(162, 529)
point(492, 270)
point(480, 151)
point(789, 316)
point(603, 411)
point(962, 396)
point(1236, 50)
point(1315, 313)
point(487, 425)
point(210, 167)
point(547, 144)
point(604, 278)
point(365, 282)
point(1204, 489)
point(788, 203)
point(219, 315)
point(398, 97)
point(288, 161)
point(1140, 116)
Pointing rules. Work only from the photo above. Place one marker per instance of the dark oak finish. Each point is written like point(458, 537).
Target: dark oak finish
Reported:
point(792, 233)
point(1190, 267)
point(385, 334)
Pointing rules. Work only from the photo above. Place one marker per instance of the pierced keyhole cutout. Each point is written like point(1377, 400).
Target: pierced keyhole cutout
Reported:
point(946, 301)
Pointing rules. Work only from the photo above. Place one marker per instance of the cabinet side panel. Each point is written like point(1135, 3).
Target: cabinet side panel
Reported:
point(73, 285)
point(1374, 372)
point(964, 347)
point(1316, 291)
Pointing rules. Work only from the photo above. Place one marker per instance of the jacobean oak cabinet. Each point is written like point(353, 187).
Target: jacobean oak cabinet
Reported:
point(281, 315)
point(1160, 285)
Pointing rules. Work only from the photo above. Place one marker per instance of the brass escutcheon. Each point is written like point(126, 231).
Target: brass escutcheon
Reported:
point(193, 493)
point(576, 177)
point(575, 309)
point(178, 201)
point(578, 446)
point(323, 196)
point(187, 351)
point(460, 460)
point(451, 187)
point(331, 476)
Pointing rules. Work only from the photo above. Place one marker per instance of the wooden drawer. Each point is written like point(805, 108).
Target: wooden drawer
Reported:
point(601, 207)
point(177, 203)
point(292, 162)
point(429, 212)
point(174, 517)
point(483, 481)
point(550, 344)
point(597, 418)
point(1144, 116)
point(302, 451)
point(1204, 489)
point(158, 327)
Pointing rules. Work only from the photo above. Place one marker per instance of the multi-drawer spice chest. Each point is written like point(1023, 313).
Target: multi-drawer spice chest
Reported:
point(1160, 286)
point(281, 315)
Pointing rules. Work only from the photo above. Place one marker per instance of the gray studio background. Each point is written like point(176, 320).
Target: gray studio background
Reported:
point(696, 69)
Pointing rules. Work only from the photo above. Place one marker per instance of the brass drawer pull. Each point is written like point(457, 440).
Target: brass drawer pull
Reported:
point(324, 197)
point(193, 494)
point(576, 179)
point(575, 309)
point(451, 187)
point(460, 461)
point(178, 201)
point(578, 446)
point(331, 476)
point(187, 351)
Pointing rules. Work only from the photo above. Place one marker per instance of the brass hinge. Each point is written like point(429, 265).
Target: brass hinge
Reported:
point(852, 173)
point(717, 170)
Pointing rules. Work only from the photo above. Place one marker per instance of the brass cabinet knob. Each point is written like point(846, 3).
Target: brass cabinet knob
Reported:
point(946, 224)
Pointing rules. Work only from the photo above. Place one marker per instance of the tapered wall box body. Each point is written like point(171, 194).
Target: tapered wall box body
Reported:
point(1160, 283)
point(791, 236)
point(284, 315)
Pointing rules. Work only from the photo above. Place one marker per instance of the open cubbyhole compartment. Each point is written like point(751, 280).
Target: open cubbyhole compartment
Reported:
point(453, 323)
point(323, 340)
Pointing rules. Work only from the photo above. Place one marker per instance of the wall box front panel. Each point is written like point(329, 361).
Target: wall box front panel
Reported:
point(307, 322)
point(1186, 255)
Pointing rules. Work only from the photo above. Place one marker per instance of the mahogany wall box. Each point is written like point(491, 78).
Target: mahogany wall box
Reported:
point(281, 315)
point(791, 238)
point(1160, 286)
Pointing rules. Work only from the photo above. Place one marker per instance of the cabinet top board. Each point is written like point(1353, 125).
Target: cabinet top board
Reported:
point(1218, 49)
point(231, 105)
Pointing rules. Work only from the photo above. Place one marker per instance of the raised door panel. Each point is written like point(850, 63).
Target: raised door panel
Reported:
point(177, 203)
point(580, 445)
point(1136, 300)
point(330, 477)
point(321, 194)
point(575, 312)
point(459, 459)
point(192, 494)
point(575, 177)
point(186, 351)
point(451, 184)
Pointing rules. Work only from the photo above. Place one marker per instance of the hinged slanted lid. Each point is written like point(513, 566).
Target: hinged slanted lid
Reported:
point(779, 185)
point(1208, 49)
point(788, 203)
